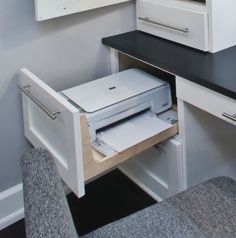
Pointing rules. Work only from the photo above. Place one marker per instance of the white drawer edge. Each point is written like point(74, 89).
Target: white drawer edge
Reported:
point(187, 5)
point(205, 99)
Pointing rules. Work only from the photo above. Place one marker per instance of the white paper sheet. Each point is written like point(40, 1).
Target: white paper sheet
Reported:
point(133, 131)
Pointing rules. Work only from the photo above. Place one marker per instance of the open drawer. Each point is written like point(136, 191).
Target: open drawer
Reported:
point(53, 123)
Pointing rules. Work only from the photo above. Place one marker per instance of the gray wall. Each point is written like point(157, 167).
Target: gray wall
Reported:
point(63, 52)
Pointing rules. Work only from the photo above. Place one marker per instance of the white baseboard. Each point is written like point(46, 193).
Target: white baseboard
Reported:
point(11, 206)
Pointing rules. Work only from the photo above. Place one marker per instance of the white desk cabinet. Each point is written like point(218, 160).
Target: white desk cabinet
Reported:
point(207, 127)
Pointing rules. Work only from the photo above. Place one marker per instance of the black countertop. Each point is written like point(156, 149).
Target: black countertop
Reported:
point(214, 71)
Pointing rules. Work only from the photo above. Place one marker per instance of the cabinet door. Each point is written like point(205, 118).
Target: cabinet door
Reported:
point(52, 123)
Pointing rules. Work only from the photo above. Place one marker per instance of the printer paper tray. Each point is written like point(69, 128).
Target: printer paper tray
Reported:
point(130, 132)
point(53, 123)
point(96, 163)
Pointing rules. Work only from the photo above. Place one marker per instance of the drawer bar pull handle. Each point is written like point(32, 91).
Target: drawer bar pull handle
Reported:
point(231, 117)
point(52, 115)
point(146, 19)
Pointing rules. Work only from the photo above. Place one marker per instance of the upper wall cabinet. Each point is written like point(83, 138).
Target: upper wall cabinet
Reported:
point(207, 25)
point(47, 9)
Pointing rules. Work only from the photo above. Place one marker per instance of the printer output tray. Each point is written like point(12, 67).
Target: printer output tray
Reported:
point(128, 133)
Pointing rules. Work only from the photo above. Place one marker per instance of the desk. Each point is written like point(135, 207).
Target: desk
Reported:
point(206, 88)
point(214, 71)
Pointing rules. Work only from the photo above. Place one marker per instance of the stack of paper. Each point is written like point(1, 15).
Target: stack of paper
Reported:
point(133, 131)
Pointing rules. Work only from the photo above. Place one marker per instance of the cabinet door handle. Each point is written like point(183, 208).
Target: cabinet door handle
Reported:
point(147, 19)
point(52, 115)
point(231, 117)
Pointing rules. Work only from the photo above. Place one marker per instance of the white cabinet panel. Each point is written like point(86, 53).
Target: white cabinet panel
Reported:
point(222, 21)
point(209, 146)
point(157, 170)
point(46, 9)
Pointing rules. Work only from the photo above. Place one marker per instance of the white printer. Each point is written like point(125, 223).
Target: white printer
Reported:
point(112, 101)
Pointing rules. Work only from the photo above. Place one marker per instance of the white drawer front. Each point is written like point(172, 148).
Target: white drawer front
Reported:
point(188, 27)
point(59, 132)
point(217, 104)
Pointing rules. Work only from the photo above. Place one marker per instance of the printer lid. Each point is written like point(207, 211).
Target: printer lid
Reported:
point(104, 92)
